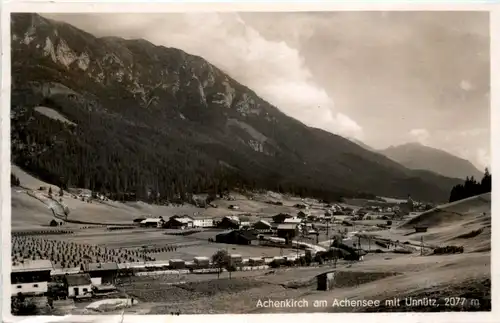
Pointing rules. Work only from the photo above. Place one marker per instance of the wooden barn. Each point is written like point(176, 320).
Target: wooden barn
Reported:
point(241, 237)
point(229, 222)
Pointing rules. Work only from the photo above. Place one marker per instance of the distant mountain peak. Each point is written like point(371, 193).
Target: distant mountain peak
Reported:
point(415, 155)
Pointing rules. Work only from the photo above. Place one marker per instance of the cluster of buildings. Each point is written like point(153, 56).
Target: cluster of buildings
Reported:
point(32, 278)
point(282, 226)
point(179, 222)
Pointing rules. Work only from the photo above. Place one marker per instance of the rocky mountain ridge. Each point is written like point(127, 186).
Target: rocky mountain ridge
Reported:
point(148, 118)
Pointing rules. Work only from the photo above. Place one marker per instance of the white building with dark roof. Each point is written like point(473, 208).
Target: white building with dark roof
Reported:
point(31, 277)
point(200, 221)
point(78, 285)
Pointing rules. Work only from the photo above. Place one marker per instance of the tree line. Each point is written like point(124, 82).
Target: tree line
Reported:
point(124, 161)
point(471, 187)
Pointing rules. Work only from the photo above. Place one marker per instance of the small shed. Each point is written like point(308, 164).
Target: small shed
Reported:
point(420, 229)
point(236, 259)
point(256, 261)
point(79, 285)
point(177, 264)
point(325, 281)
point(201, 262)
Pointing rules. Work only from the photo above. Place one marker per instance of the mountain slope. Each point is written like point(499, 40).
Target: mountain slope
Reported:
point(361, 144)
point(153, 122)
point(418, 156)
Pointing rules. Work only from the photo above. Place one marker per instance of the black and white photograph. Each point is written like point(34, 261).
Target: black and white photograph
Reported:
point(244, 162)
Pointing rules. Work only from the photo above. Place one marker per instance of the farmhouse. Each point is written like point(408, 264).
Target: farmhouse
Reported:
point(102, 273)
point(287, 231)
point(31, 277)
point(177, 222)
point(229, 222)
point(244, 220)
point(152, 222)
point(241, 237)
point(200, 221)
point(78, 285)
point(262, 225)
point(293, 220)
point(280, 218)
point(302, 215)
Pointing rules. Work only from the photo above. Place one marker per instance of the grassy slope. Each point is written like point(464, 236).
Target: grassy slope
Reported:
point(27, 211)
point(458, 223)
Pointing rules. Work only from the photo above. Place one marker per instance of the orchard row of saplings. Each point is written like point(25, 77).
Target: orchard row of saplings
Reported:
point(70, 254)
point(40, 233)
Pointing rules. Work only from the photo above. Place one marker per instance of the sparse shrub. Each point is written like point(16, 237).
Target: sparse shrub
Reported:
point(470, 234)
point(402, 251)
point(448, 250)
point(275, 264)
point(14, 180)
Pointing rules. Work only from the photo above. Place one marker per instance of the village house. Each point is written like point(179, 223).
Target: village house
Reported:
point(293, 220)
point(244, 220)
point(179, 222)
point(31, 277)
point(229, 222)
point(78, 285)
point(200, 221)
point(102, 273)
point(152, 222)
point(302, 215)
point(280, 218)
point(287, 231)
point(262, 226)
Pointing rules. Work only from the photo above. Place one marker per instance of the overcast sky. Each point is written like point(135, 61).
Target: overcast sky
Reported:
point(383, 78)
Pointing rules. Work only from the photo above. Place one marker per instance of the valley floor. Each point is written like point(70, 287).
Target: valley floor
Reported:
point(381, 276)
